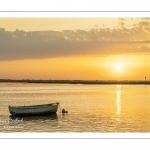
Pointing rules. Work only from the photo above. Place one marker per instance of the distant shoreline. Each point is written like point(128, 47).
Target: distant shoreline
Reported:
point(78, 81)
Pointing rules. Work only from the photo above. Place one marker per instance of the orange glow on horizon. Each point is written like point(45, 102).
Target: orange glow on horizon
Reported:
point(77, 68)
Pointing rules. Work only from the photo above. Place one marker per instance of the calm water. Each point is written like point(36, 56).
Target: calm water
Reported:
point(91, 108)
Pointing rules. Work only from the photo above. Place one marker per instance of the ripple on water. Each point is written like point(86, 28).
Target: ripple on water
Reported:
point(92, 108)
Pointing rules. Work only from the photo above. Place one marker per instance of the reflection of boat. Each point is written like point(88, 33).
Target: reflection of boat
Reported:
point(52, 116)
point(34, 109)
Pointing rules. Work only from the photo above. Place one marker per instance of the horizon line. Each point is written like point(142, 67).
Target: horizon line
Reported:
point(77, 81)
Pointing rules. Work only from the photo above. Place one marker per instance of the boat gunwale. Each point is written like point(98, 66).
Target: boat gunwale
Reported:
point(34, 106)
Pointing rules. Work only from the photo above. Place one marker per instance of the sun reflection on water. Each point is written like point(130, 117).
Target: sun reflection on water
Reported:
point(118, 100)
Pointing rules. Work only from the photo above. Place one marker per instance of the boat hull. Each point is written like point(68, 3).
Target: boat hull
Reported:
point(34, 110)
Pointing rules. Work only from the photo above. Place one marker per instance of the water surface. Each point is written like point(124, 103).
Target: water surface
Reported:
point(91, 108)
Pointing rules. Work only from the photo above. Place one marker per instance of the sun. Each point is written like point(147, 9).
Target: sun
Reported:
point(118, 69)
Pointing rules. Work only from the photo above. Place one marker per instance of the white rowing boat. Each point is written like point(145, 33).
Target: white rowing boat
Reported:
point(34, 109)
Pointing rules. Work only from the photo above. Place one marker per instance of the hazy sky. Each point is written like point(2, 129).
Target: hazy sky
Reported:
point(75, 48)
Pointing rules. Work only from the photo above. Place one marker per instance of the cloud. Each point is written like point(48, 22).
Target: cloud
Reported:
point(98, 41)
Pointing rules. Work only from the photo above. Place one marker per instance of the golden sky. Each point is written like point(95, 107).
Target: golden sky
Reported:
point(75, 48)
point(59, 24)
